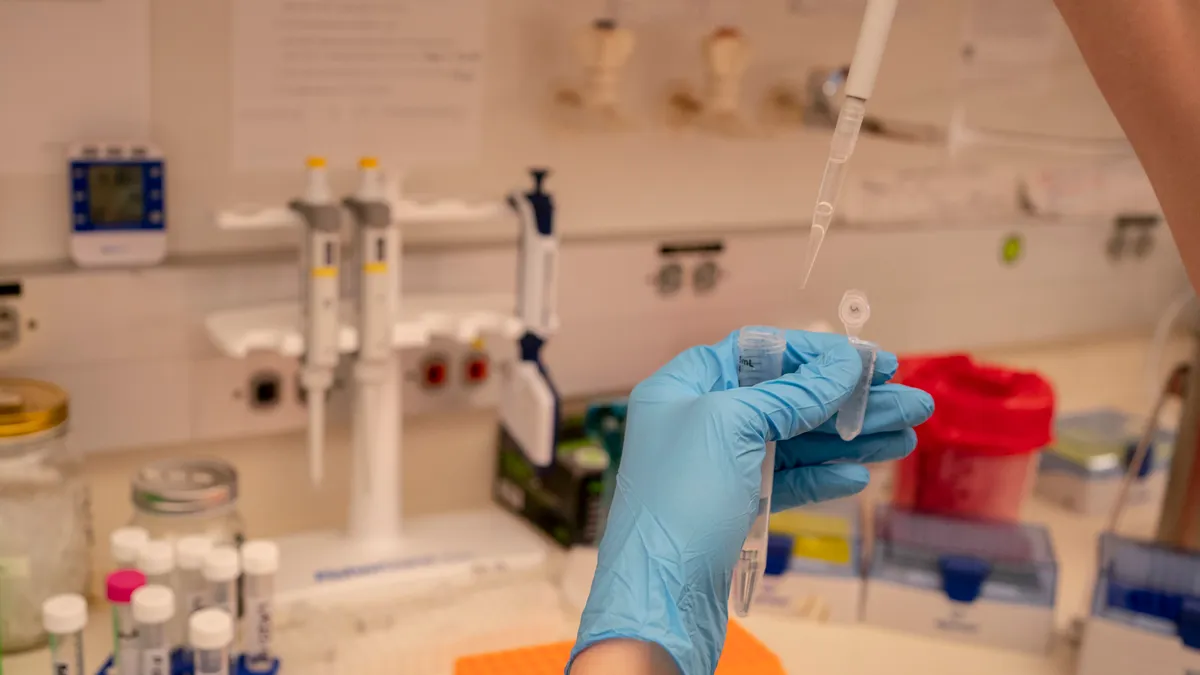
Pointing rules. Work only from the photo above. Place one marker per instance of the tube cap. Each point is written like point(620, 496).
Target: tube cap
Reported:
point(260, 557)
point(210, 629)
point(190, 552)
point(221, 564)
point(64, 614)
point(126, 543)
point(153, 604)
point(121, 584)
point(157, 557)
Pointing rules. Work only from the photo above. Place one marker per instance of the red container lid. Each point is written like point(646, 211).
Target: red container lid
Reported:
point(987, 409)
point(122, 583)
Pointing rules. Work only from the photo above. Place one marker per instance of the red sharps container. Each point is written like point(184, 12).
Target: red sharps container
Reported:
point(976, 456)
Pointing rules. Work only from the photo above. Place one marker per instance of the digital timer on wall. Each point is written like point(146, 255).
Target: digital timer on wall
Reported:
point(118, 205)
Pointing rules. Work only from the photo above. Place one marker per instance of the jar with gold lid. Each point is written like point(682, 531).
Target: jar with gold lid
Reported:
point(45, 514)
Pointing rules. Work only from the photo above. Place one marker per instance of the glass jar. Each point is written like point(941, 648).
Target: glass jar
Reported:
point(178, 498)
point(45, 513)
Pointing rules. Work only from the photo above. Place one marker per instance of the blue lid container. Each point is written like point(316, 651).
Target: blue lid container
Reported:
point(965, 559)
point(1149, 587)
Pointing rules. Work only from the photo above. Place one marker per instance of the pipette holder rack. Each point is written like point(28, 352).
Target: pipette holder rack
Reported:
point(814, 562)
point(985, 583)
point(1145, 612)
point(372, 558)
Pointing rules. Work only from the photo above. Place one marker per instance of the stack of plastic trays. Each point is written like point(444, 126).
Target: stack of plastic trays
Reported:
point(1145, 614)
point(973, 581)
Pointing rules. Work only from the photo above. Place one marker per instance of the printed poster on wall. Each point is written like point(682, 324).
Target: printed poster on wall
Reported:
point(396, 79)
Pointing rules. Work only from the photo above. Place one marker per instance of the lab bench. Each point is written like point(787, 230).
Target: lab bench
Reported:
point(536, 612)
point(538, 615)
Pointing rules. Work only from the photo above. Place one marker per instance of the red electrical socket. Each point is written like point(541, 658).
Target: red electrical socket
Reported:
point(433, 372)
point(477, 369)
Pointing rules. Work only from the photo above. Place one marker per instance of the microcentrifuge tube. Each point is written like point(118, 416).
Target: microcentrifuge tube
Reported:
point(854, 311)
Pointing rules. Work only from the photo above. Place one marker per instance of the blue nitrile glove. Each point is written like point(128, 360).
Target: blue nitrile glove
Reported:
point(690, 476)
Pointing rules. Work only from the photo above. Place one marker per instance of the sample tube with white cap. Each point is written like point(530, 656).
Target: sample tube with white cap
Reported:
point(260, 562)
point(157, 562)
point(210, 633)
point(190, 553)
point(64, 617)
point(153, 609)
point(126, 544)
point(221, 570)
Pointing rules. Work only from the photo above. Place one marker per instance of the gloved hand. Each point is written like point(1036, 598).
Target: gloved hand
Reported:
point(689, 481)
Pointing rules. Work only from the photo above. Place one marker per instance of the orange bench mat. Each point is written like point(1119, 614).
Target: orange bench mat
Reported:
point(743, 655)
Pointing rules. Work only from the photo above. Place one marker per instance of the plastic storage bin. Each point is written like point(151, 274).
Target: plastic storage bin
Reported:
point(1083, 468)
point(975, 457)
point(1145, 614)
point(979, 582)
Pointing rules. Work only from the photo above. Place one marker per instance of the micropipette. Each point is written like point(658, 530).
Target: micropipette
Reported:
point(854, 311)
point(760, 358)
point(868, 53)
point(322, 290)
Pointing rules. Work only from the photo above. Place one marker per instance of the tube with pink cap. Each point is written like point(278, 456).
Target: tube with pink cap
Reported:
point(120, 587)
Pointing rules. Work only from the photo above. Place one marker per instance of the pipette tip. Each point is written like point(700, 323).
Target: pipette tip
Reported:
point(316, 438)
point(815, 237)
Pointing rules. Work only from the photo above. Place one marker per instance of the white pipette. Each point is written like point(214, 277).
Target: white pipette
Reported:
point(854, 311)
point(868, 54)
point(323, 255)
point(760, 358)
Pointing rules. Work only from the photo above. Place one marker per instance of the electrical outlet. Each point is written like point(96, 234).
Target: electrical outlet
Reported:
point(10, 327)
point(245, 397)
point(449, 375)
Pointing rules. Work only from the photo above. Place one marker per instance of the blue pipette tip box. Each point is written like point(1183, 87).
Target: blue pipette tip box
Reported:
point(986, 583)
point(1145, 612)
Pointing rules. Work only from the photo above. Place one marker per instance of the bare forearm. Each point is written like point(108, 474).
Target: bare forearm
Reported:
point(1144, 56)
point(629, 657)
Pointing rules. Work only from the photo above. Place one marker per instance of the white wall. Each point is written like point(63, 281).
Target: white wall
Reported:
point(651, 179)
point(619, 197)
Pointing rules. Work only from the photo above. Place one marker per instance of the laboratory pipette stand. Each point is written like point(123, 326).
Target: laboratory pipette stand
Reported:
point(380, 555)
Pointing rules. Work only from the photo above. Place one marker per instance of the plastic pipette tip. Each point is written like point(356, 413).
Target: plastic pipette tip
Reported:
point(815, 237)
point(745, 583)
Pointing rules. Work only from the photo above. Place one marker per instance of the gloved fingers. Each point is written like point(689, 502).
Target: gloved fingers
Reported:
point(804, 347)
point(708, 368)
point(808, 484)
point(800, 401)
point(814, 449)
point(695, 371)
point(890, 407)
